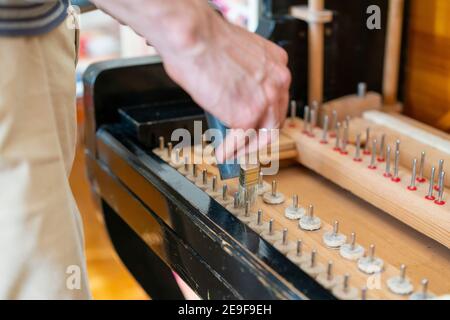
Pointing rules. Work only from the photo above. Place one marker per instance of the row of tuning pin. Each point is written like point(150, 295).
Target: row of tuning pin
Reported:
point(380, 153)
point(341, 133)
point(308, 222)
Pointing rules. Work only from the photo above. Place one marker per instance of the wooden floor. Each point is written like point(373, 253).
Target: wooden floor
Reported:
point(108, 277)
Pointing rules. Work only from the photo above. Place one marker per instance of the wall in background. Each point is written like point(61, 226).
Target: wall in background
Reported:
point(427, 83)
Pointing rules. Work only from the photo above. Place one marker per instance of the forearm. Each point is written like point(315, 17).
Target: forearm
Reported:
point(169, 25)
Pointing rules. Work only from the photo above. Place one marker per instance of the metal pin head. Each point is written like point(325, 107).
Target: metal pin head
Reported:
point(161, 143)
point(346, 282)
point(293, 109)
point(397, 145)
point(169, 149)
point(271, 226)
point(372, 251)
point(261, 179)
point(259, 217)
point(295, 201)
point(381, 156)
point(337, 145)
point(194, 170)
point(403, 272)
point(353, 240)
point(421, 177)
point(424, 284)
point(236, 200)
point(336, 227)
point(214, 184)
point(299, 247)
point(431, 185)
point(186, 164)
point(313, 258)
point(358, 148)
point(330, 270)
point(285, 231)
point(311, 211)
point(225, 192)
point(274, 188)
point(247, 209)
point(362, 89)
point(412, 185)
point(364, 293)
point(205, 176)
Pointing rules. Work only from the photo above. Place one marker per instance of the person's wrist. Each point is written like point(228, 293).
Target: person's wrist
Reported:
point(190, 32)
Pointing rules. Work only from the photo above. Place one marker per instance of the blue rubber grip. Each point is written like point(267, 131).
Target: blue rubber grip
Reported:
point(229, 170)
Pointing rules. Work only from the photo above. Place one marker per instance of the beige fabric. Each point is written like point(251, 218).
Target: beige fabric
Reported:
point(41, 239)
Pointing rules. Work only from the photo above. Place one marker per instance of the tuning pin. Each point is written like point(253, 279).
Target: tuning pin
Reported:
point(362, 89)
point(169, 150)
point(235, 207)
point(439, 172)
point(258, 225)
point(440, 200)
point(370, 264)
point(294, 212)
point(263, 186)
point(373, 160)
point(247, 216)
point(273, 197)
point(327, 279)
point(325, 130)
point(381, 155)
point(345, 291)
point(367, 147)
point(270, 234)
point(284, 245)
point(357, 157)
point(313, 122)
point(431, 186)
point(185, 169)
point(306, 116)
point(396, 177)
point(202, 182)
point(293, 112)
point(423, 294)
point(334, 121)
point(344, 141)
point(387, 171)
point(352, 251)
point(213, 188)
point(412, 185)
point(337, 146)
point(364, 293)
point(312, 267)
point(161, 150)
point(310, 222)
point(298, 256)
point(421, 177)
point(193, 176)
point(334, 239)
point(224, 199)
point(400, 284)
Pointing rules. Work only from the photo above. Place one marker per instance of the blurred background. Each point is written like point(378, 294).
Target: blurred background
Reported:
point(427, 98)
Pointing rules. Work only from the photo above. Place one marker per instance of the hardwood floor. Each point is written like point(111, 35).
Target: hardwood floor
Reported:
point(108, 277)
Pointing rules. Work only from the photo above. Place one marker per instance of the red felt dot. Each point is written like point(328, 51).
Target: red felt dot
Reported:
point(337, 149)
point(421, 180)
point(440, 203)
point(367, 152)
point(431, 198)
point(412, 188)
point(372, 167)
point(387, 175)
point(396, 180)
point(357, 159)
point(380, 160)
point(323, 142)
point(344, 153)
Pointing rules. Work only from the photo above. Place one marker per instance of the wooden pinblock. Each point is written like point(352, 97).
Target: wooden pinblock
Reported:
point(410, 207)
point(414, 140)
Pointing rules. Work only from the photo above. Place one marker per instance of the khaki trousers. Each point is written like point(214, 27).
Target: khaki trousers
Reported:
point(41, 237)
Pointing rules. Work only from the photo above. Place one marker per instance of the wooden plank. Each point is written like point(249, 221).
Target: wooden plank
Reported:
point(393, 198)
